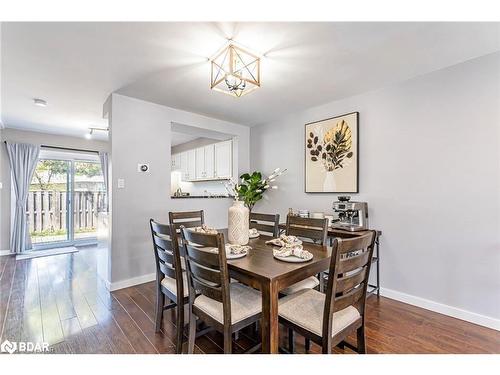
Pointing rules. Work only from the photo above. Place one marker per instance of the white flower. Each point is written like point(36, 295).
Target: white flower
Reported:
point(275, 187)
point(266, 186)
point(258, 191)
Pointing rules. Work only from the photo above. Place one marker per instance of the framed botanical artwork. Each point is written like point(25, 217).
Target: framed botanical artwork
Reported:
point(331, 153)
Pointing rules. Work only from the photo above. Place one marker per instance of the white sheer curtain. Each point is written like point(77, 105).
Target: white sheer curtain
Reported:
point(23, 159)
point(103, 156)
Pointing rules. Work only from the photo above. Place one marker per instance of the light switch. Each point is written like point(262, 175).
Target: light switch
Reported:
point(121, 183)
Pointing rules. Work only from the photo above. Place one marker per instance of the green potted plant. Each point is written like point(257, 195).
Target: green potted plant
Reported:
point(252, 187)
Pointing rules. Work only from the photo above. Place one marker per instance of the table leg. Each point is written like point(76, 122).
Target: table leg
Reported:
point(269, 326)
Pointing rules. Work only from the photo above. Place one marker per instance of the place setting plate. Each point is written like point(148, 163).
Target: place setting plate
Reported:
point(292, 259)
point(230, 256)
point(252, 233)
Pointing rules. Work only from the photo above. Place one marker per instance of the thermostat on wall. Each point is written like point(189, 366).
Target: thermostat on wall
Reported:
point(142, 167)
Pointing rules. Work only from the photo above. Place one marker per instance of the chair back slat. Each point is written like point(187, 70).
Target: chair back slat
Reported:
point(204, 273)
point(313, 229)
point(200, 238)
point(206, 289)
point(165, 256)
point(189, 224)
point(163, 242)
point(348, 276)
point(348, 282)
point(206, 258)
point(351, 298)
point(350, 245)
point(354, 262)
point(167, 270)
point(207, 270)
point(181, 215)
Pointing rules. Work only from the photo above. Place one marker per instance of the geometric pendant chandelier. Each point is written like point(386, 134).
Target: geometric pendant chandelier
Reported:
point(235, 71)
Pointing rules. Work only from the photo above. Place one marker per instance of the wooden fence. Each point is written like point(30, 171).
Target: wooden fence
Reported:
point(47, 210)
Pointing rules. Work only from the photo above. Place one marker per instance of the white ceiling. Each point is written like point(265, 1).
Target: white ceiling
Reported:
point(179, 138)
point(75, 66)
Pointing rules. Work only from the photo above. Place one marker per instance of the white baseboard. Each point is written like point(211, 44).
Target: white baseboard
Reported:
point(4, 252)
point(131, 282)
point(454, 312)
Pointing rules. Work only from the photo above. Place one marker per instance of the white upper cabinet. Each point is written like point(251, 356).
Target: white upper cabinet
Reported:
point(176, 162)
point(191, 161)
point(209, 161)
point(212, 162)
point(223, 160)
point(184, 166)
point(200, 163)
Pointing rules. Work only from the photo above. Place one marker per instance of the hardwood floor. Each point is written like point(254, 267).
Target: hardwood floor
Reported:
point(60, 300)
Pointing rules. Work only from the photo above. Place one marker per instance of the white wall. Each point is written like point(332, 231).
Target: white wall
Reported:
point(429, 170)
point(140, 132)
point(21, 136)
point(195, 143)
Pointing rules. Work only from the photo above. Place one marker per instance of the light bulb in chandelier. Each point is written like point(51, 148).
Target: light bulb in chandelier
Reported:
point(235, 84)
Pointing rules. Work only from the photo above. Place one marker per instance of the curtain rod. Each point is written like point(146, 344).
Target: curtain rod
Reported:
point(66, 148)
point(69, 149)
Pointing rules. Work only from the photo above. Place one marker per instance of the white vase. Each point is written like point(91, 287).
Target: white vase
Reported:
point(237, 226)
point(329, 184)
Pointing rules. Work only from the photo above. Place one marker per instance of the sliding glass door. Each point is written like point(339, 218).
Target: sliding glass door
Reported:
point(48, 205)
point(88, 199)
point(66, 195)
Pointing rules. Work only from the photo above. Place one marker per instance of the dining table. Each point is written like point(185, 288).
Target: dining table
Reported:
point(260, 270)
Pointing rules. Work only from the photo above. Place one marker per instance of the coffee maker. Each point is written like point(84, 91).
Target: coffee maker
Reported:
point(352, 216)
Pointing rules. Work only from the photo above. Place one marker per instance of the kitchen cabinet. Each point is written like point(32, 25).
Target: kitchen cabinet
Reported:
point(211, 162)
point(176, 162)
point(191, 165)
point(184, 166)
point(223, 160)
point(205, 162)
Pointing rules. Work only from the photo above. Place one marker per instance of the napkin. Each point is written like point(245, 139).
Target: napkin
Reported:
point(284, 240)
point(253, 232)
point(205, 229)
point(233, 249)
point(295, 250)
point(237, 249)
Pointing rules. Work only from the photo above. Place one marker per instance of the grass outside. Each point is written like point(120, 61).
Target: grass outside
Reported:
point(60, 235)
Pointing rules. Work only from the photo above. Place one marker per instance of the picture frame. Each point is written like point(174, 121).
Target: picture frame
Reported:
point(332, 155)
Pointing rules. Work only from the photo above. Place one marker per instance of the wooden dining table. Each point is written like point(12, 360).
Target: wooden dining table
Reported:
point(260, 270)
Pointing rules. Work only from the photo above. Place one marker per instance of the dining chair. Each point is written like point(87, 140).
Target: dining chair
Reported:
point(267, 223)
point(228, 307)
point(188, 219)
point(327, 319)
point(315, 230)
point(171, 280)
point(305, 227)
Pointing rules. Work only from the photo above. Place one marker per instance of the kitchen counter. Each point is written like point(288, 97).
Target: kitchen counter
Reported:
point(201, 196)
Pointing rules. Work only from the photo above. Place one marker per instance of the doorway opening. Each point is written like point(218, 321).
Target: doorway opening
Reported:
point(66, 195)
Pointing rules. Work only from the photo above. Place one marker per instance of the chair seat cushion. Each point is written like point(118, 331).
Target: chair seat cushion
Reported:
point(305, 309)
point(309, 283)
point(170, 284)
point(245, 302)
